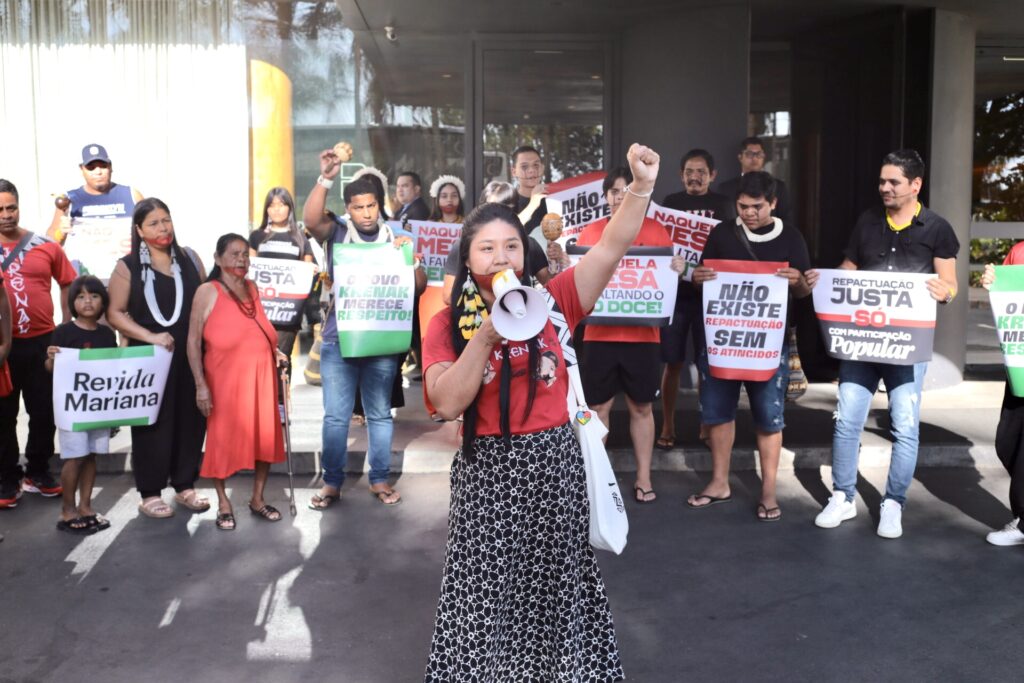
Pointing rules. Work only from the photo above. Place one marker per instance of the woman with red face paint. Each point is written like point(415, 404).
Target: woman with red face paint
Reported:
point(448, 192)
point(521, 596)
point(232, 350)
point(151, 291)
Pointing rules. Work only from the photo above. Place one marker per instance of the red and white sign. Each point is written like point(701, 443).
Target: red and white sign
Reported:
point(688, 231)
point(745, 318)
point(579, 201)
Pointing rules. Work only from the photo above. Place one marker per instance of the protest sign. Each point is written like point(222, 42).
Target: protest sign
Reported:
point(745, 318)
point(102, 388)
point(579, 201)
point(879, 317)
point(98, 243)
point(1006, 296)
point(433, 243)
point(284, 285)
point(688, 231)
point(373, 295)
point(642, 290)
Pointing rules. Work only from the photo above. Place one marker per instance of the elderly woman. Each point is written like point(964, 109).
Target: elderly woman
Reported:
point(232, 350)
point(151, 291)
point(521, 597)
point(447, 192)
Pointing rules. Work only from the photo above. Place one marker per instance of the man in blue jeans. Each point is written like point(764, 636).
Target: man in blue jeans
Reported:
point(373, 376)
point(905, 237)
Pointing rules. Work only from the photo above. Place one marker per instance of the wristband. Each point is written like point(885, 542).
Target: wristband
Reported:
point(629, 189)
point(326, 183)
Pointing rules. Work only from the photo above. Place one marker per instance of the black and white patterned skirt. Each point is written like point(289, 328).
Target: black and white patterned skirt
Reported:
point(522, 597)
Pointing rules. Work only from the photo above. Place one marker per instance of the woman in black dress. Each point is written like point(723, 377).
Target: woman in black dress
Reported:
point(151, 292)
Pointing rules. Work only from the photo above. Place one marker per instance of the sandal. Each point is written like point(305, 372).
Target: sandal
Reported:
point(384, 496)
point(641, 495)
point(156, 508)
point(98, 522)
point(78, 525)
point(665, 443)
point(267, 512)
point(192, 500)
point(764, 513)
point(318, 502)
point(226, 521)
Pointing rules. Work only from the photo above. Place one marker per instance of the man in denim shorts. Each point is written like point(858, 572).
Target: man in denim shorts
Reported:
point(754, 236)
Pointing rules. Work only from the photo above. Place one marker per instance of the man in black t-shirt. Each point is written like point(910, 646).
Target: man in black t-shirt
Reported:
point(752, 157)
point(755, 236)
point(697, 172)
point(905, 237)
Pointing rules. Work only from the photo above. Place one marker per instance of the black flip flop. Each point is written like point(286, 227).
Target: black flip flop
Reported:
point(98, 522)
point(318, 502)
point(766, 518)
point(78, 525)
point(643, 495)
point(712, 500)
point(663, 443)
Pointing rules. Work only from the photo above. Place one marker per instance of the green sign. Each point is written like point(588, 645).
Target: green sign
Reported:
point(373, 298)
point(1007, 299)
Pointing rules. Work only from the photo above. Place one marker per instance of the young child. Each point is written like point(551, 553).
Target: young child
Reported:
point(88, 300)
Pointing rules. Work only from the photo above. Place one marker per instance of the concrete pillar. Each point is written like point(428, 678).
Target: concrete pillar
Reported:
point(949, 176)
point(684, 83)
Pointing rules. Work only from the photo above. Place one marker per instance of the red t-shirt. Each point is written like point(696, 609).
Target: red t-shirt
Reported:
point(549, 405)
point(1016, 255)
point(652, 234)
point(27, 281)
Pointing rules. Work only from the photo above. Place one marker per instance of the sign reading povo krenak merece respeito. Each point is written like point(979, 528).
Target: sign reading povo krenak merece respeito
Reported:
point(875, 316)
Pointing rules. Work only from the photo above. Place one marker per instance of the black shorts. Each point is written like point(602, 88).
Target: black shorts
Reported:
point(609, 368)
point(686, 322)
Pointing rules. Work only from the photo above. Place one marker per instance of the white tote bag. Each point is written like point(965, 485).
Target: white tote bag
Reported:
point(608, 523)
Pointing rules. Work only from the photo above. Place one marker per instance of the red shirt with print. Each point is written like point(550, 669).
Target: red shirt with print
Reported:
point(27, 280)
point(549, 405)
point(652, 234)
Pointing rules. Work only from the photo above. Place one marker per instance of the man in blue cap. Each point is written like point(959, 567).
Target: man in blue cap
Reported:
point(95, 229)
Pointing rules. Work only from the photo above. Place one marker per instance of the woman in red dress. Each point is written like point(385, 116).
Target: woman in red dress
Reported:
point(232, 350)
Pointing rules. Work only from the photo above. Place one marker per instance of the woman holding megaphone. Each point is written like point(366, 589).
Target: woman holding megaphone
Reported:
point(521, 597)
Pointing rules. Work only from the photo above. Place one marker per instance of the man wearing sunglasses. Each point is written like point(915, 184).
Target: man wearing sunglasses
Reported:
point(95, 228)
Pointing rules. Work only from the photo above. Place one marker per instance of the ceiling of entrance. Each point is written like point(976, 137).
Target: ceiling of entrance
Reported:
point(426, 60)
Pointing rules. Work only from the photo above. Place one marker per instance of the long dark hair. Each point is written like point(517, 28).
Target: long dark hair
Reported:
point(477, 218)
point(222, 246)
point(91, 285)
point(285, 196)
point(143, 209)
point(436, 214)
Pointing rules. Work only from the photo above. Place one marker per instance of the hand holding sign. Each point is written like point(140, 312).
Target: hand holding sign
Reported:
point(702, 274)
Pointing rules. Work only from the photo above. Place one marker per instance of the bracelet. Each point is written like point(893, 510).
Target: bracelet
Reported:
point(629, 189)
point(326, 183)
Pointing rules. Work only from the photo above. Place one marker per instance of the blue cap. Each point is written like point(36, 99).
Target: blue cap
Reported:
point(94, 152)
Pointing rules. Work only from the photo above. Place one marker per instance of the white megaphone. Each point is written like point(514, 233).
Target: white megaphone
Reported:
point(519, 312)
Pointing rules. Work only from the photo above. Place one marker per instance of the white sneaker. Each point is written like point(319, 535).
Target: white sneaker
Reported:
point(890, 524)
point(1008, 535)
point(836, 512)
